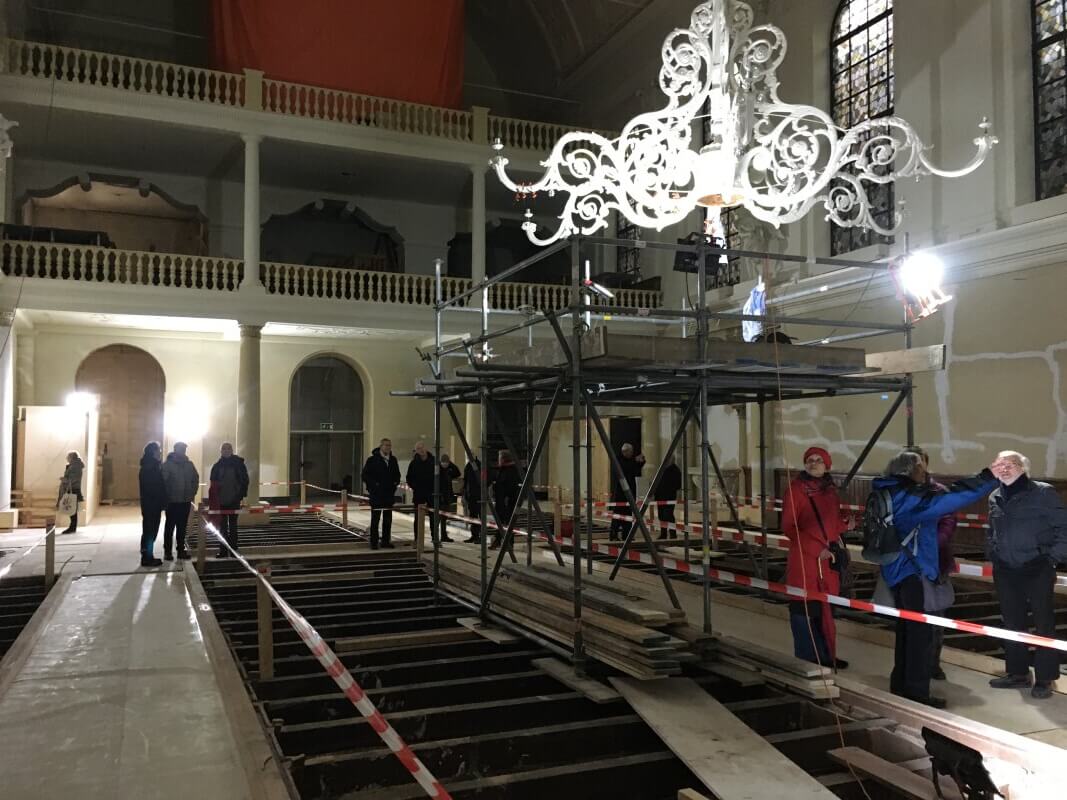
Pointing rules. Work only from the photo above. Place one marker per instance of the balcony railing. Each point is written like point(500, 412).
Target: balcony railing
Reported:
point(110, 266)
point(253, 91)
point(87, 264)
point(369, 286)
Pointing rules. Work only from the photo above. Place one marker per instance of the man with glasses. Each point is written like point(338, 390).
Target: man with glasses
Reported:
point(1027, 537)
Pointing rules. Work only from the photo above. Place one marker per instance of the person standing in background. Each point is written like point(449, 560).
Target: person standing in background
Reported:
point(916, 510)
point(182, 482)
point(447, 472)
point(505, 492)
point(631, 469)
point(71, 483)
point(153, 499)
point(670, 484)
point(946, 530)
point(381, 476)
point(1027, 537)
point(472, 496)
point(812, 519)
point(229, 486)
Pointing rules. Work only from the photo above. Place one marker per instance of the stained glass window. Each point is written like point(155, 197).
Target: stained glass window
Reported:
point(1050, 96)
point(861, 75)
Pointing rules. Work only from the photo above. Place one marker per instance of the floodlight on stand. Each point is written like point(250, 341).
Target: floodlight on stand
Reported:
point(919, 276)
point(83, 401)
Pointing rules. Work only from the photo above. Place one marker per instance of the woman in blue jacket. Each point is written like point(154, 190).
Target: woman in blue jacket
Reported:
point(917, 507)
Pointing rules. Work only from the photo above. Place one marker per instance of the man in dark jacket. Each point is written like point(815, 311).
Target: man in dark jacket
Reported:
point(447, 473)
point(381, 476)
point(670, 483)
point(153, 496)
point(472, 496)
point(946, 530)
point(229, 486)
point(182, 481)
point(1027, 537)
point(631, 468)
point(506, 484)
point(917, 507)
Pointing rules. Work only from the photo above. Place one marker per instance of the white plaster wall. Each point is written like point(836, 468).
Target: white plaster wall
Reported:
point(382, 365)
point(203, 368)
point(1003, 387)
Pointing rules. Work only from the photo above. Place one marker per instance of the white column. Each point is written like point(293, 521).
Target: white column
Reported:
point(251, 215)
point(25, 372)
point(7, 405)
point(477, 223)
point(248, 406)
point(7, 184)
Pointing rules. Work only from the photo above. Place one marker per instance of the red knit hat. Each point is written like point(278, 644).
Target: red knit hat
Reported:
point(818, 451)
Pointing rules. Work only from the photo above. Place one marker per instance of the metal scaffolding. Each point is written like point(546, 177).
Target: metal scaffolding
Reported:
point(689, 388)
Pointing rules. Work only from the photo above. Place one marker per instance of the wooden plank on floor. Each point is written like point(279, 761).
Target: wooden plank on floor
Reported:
point(739, 675)
point(564, 673)
point(899, 778)
point(729, 758)
point(490, 632)
point(281, 580)
point(358, 644)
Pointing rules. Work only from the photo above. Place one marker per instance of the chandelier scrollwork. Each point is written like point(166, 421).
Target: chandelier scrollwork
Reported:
point(777, 159)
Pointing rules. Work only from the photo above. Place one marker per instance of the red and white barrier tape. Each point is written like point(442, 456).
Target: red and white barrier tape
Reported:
point(799, 593)
point(777, 541)
point(722, 576)
point(344, 680)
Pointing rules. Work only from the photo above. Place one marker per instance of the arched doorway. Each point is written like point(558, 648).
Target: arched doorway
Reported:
point(326, 424)
point(131, 386)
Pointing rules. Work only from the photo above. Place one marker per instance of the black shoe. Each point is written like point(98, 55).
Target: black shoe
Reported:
point(840, 663)
point(939, 675)
point(68, 530)
point(495, 545)
point(1042, 690)
point(391, 546)
point(447, 539)
point(151, 562)
point(168, 556)
point(184, 555)
point(1011, 682)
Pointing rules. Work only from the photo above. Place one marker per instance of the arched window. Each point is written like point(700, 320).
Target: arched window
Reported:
point(861, 75)
point(1050, 96)
point(326, 424)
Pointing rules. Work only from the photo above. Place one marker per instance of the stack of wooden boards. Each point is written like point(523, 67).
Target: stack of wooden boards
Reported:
point(726, 655)
point(631, 628)
point(619, 629)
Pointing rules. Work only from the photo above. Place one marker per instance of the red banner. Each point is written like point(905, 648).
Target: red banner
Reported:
point(403, 49)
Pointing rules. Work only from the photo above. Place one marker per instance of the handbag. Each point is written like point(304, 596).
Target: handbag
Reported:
point(67, 504)
point(841, 558)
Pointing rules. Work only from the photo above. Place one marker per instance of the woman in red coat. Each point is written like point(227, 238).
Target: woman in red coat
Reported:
point(811, 518)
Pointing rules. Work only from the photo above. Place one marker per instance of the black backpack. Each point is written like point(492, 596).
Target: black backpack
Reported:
point(881, 542)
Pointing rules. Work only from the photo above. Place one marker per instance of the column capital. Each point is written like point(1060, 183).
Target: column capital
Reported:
point(7, 319)
point(250, 330)
point(252, 138)
point(479, 168)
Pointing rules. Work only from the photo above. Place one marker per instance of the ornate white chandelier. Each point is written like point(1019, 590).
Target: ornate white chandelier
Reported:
point(776, 159)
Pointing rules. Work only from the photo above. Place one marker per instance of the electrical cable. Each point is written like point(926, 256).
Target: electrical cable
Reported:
point(803, 568)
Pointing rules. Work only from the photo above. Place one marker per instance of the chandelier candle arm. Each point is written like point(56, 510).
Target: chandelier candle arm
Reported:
point(776, 159)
